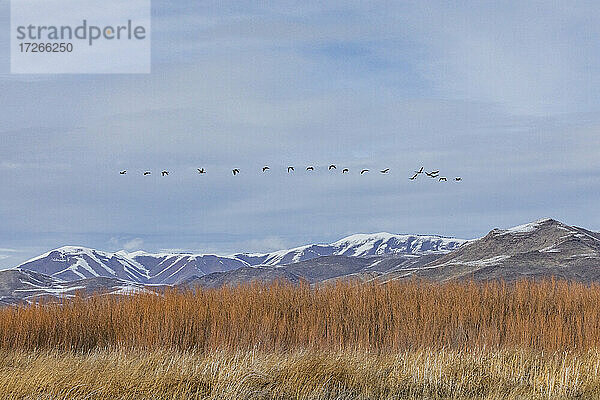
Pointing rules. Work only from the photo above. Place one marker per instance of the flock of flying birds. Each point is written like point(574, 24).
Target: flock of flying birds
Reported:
point(290, 169)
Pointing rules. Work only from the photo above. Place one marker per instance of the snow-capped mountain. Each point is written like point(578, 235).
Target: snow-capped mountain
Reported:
point(72, 263)
point(167, 268)
point(359, 245)
point(542, 248)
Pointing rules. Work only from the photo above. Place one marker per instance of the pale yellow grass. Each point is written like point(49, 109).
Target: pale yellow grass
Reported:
point(171, 374)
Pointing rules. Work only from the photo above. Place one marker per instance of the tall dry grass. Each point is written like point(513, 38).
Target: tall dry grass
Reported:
point(222, 375)
point(398, 316)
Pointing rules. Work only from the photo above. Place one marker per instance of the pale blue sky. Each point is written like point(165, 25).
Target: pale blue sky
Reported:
point(504, 95)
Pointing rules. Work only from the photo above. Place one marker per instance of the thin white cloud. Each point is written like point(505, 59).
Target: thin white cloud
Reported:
point(133, 244)
point(264, 245)
point(129, 244)
point(9, 165)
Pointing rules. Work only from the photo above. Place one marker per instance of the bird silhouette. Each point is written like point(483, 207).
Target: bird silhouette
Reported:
point(332, 166)
point(123, 172)
point(235, 171)
point(385, 171)
point(266, 167)
point(363, 171)
point(414, 177)
point(420, 171)
point(201, 171)
point(290, 169)
point(443, 178)
point(435, 172)
point(310, 168)
point(458, 179)
point(164, 173)
point(147, 173)
point(432, 174)
point(345, 170)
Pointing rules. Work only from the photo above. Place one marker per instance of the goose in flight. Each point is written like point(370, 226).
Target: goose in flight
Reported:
point(235, 171)
point(123, 172)
point(414, 177)
point(201, 171)
point(164, 173)
point(310, 168)
point(433, 174)
point(443, 178)
point(420, 171)
point(385, 171)
point(265, 168)
point(458, 179)
point(290, 169)
point(363, 171)
point(147, 173)
point(332, 166)
point(345, 170)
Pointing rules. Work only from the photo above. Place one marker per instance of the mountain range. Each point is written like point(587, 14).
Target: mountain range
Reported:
point(539, 249)
point(74, 263)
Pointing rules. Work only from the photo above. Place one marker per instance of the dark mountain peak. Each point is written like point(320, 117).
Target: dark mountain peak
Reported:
point(531, 227)
point(545, 247)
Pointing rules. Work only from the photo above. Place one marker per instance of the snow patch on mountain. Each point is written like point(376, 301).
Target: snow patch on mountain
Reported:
point(361, 245)
point(529, 227)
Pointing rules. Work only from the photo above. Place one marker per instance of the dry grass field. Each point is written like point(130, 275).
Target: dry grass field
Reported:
point(341, 341)
point(418, 374)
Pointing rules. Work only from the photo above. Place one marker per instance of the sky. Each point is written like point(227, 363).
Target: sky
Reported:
point(504, 95)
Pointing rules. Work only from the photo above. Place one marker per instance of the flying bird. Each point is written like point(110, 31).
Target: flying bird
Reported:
point(458, 179)
point(363, 171)
point(123, 172)
point(345, 170)
point(201, 171)
point(290, 169)
point(235, 171)
point(164, 173)
point(310, 168)
point(414, 177)
point(385, 171)
point(420, 171)
point(443, 178)
point(332, 166)
point(432, 174)
point(266, 167)
point(147, 173)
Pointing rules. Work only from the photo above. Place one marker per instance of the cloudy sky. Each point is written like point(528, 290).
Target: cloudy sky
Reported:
point(504, 95)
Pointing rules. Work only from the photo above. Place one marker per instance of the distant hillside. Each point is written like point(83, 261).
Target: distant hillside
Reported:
point(539, 249)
